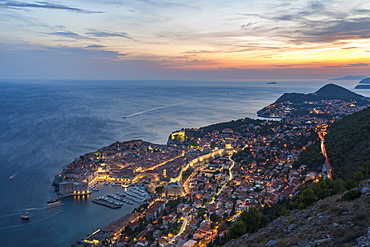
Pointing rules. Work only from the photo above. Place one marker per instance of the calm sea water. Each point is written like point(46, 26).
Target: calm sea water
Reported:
point(44, 125)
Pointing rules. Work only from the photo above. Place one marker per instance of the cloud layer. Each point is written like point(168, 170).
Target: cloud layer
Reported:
point(44, 5)
point(188, 35)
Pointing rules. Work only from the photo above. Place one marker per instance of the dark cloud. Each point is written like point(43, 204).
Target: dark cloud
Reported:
point(357, 65)
point(361, 11)
point(285, 17)
point(87, 53)
point(68, 34)
point(319, 22)
point(348, 65)
point(201, 52)
point(44, 5)
point(108, 34)
point(244, 26)
point(283, 66)
point(346, 29)
point(95, 46)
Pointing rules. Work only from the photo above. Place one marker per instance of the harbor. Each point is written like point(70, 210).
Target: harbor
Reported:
point(130, 195)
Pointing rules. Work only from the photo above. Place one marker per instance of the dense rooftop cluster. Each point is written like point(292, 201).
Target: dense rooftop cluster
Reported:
point(334, 107)
point(221, 170)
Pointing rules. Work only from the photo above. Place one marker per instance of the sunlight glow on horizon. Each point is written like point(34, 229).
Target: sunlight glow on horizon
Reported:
point(146, 38)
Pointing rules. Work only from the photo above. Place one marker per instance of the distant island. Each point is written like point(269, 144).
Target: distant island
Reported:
point(321, 102)
point(349, 77)
point(273, 82)
point(364, 84)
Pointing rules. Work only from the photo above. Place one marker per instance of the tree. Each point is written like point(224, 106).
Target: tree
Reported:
point(213, 145)
point(215, 218)
point(159, 190)
point(237, 230)
point(351, 195)
point(306, 198)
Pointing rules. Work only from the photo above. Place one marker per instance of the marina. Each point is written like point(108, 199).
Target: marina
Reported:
point(108, 204)
point(130, 195)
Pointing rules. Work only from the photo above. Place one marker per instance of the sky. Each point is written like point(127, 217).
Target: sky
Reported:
point(184, 39)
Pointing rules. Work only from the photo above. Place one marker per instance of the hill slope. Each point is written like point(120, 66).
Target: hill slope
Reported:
point(329, 91)
point(348, 143)
point(329, 223)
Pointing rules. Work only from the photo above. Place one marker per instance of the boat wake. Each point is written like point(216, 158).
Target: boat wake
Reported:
point(31, 222)
point(17, 212)
point(152, 109)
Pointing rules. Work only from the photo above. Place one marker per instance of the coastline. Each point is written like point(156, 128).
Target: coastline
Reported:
point(85, 123)
point(180, 137)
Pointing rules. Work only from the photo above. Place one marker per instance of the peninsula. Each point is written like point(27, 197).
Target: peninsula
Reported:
point(331, 101)
point(205, 178)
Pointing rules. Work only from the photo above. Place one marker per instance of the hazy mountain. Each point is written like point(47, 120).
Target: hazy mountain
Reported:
point(349, 77)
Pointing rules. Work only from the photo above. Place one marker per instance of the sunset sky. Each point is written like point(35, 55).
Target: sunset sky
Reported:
point(184, 39)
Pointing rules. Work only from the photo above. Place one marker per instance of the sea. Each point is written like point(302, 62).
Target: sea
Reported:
point(46, 124)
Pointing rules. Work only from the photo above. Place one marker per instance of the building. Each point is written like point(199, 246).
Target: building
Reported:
point(73, 188)
point(155, 210)
point(174, 189)
point(190, 243)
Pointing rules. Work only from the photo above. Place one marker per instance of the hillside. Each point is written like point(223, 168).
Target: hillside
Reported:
point(329, 91)
point(348, 143)
point(329, 102)
point(331, 222)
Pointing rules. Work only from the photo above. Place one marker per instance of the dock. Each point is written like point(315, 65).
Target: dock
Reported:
point(105, 203)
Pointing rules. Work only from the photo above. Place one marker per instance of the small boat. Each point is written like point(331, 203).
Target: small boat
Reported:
point(11, 178)
point(53, 200)
point(25, 216)
point(124, 116)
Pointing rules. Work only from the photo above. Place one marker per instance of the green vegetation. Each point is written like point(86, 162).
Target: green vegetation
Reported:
point(348, 143)
point(249, 222)
point(159, 190)
point(351, 195)
point(235, 125)
point(311, 157)
point(186, 174)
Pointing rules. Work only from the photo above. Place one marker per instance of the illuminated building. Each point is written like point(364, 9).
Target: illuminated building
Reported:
point(174, 189)
point(73, 188)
